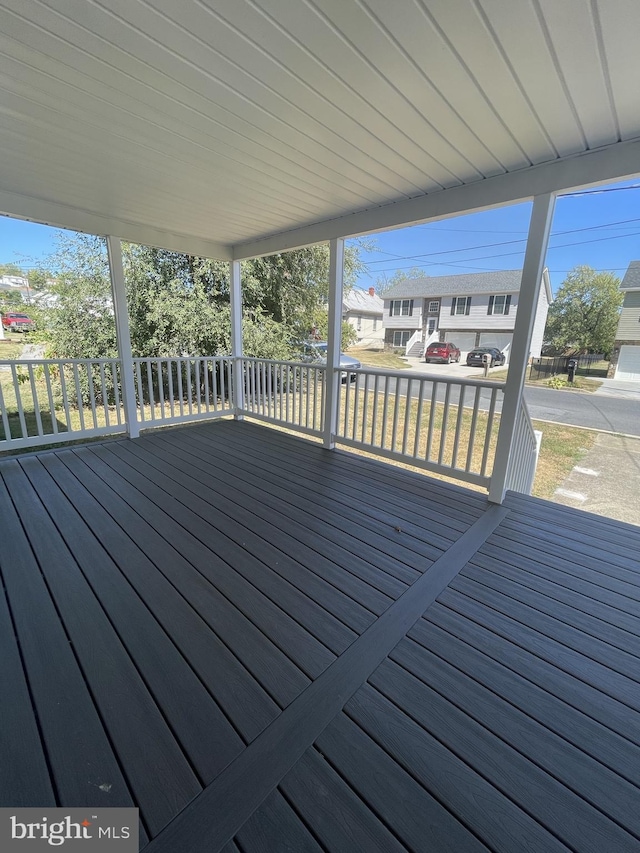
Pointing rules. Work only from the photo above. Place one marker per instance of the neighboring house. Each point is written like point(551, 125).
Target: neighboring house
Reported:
point(625, 359)
point(363, 309)
point(15, 284)
point(476, 309)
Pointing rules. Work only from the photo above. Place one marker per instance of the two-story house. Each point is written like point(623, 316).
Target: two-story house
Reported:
point(363, 309)
point(475, 309)
point(625, 359)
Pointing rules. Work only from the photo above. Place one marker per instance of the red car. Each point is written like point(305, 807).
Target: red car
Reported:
point(13, 322)
point(442, 352)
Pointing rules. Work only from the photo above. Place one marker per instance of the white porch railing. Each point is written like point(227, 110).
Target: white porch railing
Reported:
point(523, 458)
point(50, 400)
point(285, 392)
point(415, 337)
point(435, 422)
point(438, 423)
point(176, 390)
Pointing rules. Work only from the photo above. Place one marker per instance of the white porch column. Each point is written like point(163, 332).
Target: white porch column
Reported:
point(539, 227)
point(123, 336)
point(236, 339)
point(334, 337)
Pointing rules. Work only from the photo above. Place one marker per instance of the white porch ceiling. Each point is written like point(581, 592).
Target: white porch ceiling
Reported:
point(205, 125)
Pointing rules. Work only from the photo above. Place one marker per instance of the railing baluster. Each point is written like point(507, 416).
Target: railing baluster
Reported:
point(456, 439)
point(356, 400)
point(197, 369)
point(347, 405)
point(103, 392)
point(374, 415)
point(52, 405)
point(416, 440)
point(139, 386)
point(34, 398)
point(79, 403)
point(116, 378)
point(365, 407)
point(5, 418)
point(445, 423)
point(16, 388)
point(407, 416)
point(65, 396)
point(432, 420)
point(180, 388)
point(396, 415)
point(472, 431)
point(152, 397)
point(160, 374)
point(385, 414)
point(488, 432)
point(92, 393)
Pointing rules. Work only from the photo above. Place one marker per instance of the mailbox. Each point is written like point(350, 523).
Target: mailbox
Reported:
point(571, 369)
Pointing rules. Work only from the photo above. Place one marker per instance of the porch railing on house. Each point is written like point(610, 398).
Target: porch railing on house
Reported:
point(523, 458)
point(442, 424)
point(283, 392)
point(439, 423)
point(50, 400)
point(175, 390)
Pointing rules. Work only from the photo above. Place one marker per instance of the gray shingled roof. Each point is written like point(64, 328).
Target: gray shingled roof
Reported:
point(631, 280)
point(499, 281)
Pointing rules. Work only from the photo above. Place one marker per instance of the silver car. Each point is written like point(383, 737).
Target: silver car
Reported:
point(316, 353)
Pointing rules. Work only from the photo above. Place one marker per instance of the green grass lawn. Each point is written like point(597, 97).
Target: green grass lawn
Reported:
point(378, 358)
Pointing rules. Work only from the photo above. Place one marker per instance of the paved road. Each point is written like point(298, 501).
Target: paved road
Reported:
point(614, 414)
point(597, 411)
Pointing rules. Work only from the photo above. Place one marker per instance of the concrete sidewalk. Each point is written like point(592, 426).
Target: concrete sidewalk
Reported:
point(607, 480)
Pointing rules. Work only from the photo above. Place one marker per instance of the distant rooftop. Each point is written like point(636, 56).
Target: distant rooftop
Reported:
point(364, 301)
point(498, 281)
point(631, 280)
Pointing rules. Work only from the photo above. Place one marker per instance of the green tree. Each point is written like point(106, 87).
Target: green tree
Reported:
point(180, 304)
point(584, 314)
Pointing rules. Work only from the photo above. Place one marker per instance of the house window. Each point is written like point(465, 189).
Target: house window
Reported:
point(359, 323)
point(499, 304)
point(434, 307)
point(400, 338)
point(401, 308)
point(461, 305)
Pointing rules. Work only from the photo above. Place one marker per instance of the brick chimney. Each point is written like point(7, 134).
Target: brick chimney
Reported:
point(372, 291)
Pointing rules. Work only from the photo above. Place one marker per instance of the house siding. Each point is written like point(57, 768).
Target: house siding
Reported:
point(366, 334)
point(403, 322)
point(629, 322)
point(478, 317)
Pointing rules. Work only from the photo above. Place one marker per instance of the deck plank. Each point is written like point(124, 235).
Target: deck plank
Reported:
point(334, 621)
point(134, 723)
point(460, 695)
point(265, 597)
point(372, 551)
point(227, 603)
point(84, 769)
point(25, 780)
point(567, 677)
point(276, 826)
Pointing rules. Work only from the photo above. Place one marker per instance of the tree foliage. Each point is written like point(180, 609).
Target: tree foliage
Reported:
point(383, 283)
point(584, 315)
point(180, 304)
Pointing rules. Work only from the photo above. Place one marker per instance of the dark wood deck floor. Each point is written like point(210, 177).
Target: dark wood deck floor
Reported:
point(266, 647)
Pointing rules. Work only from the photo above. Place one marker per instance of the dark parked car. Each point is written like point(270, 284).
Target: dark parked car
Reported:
point(476, 357)
point(442, 352)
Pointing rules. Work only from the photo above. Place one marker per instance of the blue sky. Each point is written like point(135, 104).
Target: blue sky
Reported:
point(600, 228)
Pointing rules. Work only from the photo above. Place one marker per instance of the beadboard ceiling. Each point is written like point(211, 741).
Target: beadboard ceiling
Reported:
point(227, 127)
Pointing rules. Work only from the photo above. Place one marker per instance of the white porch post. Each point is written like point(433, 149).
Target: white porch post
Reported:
point(236, 339)
point(123, 336)
point(334, 336)
point(534, 258)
